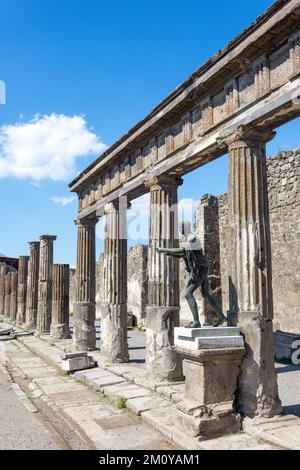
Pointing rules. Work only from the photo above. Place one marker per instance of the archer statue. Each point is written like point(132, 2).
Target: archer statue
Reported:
point(197, 266)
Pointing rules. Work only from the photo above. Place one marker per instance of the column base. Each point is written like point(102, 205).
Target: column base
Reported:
point(60, 331)
point(84, 336)
point(114, 343)
point(30, 322)
point(211, 375)
point(257, 393)
point(162, 360)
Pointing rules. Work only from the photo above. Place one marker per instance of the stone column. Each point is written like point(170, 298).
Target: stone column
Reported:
point(60, 302)
point(250, 265)
point(84, 306)
point(7, 296)
point(32, 285)
point(22, 289)
point(162, 313)
point(45, 284)
point(13, 296)
point(4, 269)
point(114, 313)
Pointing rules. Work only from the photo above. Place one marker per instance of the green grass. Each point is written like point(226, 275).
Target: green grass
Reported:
point(121, 403)
point(71, 314)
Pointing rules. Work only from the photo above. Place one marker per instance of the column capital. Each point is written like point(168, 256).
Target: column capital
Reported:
point(33, 245)
point(116, 205)
point(48, 237)
point(163, 182)
point(247, 134)
point(86, 221)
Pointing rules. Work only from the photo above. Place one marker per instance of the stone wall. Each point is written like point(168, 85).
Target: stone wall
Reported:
point(137, 282)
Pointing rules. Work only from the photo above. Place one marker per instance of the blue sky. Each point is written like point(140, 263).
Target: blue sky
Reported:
point(111, 62)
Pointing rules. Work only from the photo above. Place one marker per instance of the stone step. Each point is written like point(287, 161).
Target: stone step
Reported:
point(211, 342)
point(191, 333)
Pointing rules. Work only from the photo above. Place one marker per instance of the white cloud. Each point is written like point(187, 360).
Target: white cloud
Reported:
point(62, 200)
point(46, 147)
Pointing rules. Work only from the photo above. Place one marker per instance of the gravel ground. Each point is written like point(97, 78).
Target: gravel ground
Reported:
point(20, 429)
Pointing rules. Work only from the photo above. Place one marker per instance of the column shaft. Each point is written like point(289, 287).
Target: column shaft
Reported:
point(84, 306)
point(13, 296)
point(32, 285)
point(114, 312)
point(162, 313)
point(4, 269)
point(250, 283)
point(22, 289)
point(45, 284)
point(60, 302)
point(7, 296)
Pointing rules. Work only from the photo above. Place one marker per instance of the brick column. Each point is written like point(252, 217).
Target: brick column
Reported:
point(114, 312)
point(45, 283)
point(60, 302)
point(162, 312)
point(84, 306)
point(250, 280)
point(32, 285)
point(22, 289)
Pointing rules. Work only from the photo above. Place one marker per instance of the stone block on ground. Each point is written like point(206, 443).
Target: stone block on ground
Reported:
point(78, 363)
point(126, 390)
point(141, 404)
point(162, 419)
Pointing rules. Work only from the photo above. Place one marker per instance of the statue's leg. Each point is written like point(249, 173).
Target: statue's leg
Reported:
point(212, 302)
point(190, 289)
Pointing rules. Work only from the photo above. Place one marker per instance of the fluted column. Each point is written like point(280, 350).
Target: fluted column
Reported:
point(4, 269)
point(7, 296)
point(84, 306)
point(45, 284)
point(32, 285)
point(250, 281)
point(22, 289)
point(60, 302)
point(13, 296)
point(163, 277)
point(114, 312)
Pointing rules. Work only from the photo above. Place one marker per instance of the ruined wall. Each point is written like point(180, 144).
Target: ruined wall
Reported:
point(137, 282)
point(283, 172)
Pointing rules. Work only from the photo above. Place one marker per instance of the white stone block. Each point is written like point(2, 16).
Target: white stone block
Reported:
point(78, 363)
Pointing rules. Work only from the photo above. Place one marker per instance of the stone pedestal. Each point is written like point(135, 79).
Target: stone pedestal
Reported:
point(22, 289)
point(13, 296)
point(114, 312)
point(45, 284)
point(211, 375)
point(60, 302)
point(250, 281)
point(162, 313)
point(84, 336)
point(4, 269)
point(32, 285)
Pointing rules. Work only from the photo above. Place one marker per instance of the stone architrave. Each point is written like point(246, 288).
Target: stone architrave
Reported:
point(162, 312)
point(4, 269)
point(60, 302)
point(22, 289)
point(114, 311)
point(13, 296)
point(32, 285)
point(45, 284)
point(7, 295)
point(250, 279)
point(85, 305)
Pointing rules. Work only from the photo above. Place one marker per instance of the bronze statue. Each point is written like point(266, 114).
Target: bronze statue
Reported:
point(196, 264)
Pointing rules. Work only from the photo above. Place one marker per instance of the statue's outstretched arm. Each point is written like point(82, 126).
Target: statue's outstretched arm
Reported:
point(179, 252)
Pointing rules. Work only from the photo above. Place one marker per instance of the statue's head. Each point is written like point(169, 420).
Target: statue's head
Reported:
point(185, 228)
point(193, 242)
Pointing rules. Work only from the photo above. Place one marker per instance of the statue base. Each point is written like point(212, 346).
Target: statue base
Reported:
point(211, 370)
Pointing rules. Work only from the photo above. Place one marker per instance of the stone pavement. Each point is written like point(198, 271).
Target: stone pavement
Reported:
point(156, 402)
point(84, 418)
